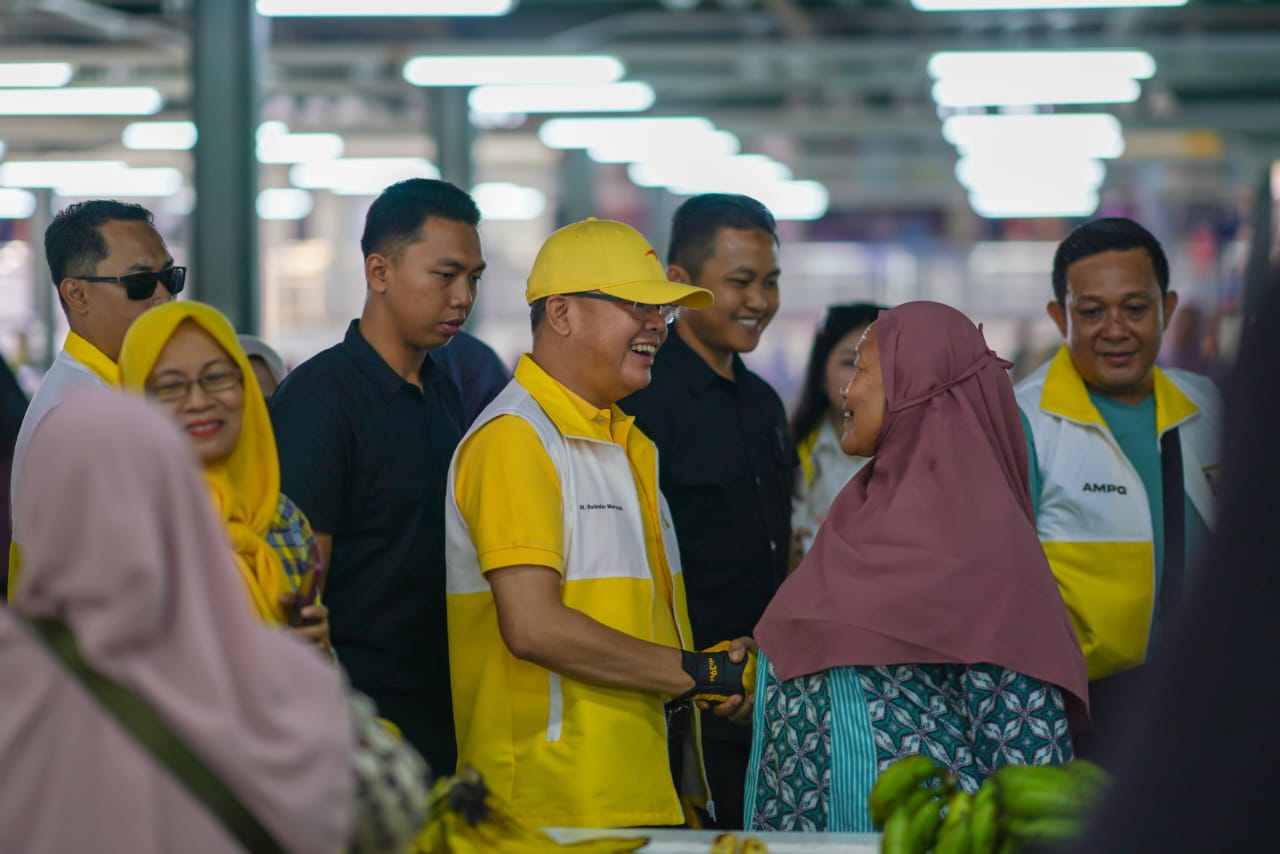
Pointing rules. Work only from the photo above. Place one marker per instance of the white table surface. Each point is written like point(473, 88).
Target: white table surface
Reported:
point(699, 841)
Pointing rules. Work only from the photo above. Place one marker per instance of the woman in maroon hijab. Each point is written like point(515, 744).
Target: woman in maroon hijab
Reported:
point(925, 618)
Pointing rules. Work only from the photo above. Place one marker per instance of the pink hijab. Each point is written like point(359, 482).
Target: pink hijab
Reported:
point(121, 542)
point(930, 555)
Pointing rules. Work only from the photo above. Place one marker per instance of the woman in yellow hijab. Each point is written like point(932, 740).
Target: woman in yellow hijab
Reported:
point(185, 357)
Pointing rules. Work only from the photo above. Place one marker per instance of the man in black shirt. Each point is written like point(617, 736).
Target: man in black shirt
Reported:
point(724, 455)
point(365, 431)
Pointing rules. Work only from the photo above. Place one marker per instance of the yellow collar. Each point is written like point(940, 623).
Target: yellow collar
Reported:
point(92, 358)
point(1065, 395)
point(572, 415)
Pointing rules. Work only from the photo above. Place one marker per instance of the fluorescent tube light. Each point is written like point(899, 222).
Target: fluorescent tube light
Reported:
point(360, 176)
point(628, 97)
point(275, 144)
point(286, 203)
point(52, 173)
point(1030, 91)
point(159, 136)
point(1031, 203)
point(382, 8)
point(518, 70)
point(1047, 175)
point(1133, 64)
point(35, 75)
point(81, 101)
point(1066, 134)
point(16, 204)
point(504, 201)
point(971, 5)
point(124, 183)
point(589, 133)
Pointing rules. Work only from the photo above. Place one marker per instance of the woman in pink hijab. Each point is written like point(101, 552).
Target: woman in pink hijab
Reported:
point(925, 618)
point(124, 550)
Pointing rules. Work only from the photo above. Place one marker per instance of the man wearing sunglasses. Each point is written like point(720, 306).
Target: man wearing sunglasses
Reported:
point(108, 264)
point(566, 610)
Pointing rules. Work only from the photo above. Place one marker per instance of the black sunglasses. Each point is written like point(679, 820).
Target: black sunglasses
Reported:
point(140, 286)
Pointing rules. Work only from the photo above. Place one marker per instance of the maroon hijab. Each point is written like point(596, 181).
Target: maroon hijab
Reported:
point(930, 554)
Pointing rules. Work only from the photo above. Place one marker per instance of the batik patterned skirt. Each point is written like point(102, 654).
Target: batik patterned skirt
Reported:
point(819, 741)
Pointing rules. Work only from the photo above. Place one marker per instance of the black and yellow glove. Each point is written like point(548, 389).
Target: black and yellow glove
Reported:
point(715, 677)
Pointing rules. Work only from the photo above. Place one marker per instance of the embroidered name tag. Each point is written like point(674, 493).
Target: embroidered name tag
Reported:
point(599, 507)
point(1106, 487)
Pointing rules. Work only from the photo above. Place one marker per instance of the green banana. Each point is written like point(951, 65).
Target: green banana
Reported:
point(984, 819)
point(1049, 829)
point(953, 835)
point(897, 830)
point(896, 783)
point(1030, 792)
point(923, 829)
point(1088, 772)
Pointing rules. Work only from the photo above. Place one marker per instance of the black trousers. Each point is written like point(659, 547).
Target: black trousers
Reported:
point(1111, 702)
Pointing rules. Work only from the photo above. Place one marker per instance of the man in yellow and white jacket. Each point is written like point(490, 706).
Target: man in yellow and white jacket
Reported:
point(1099, 419)
point(568, 629)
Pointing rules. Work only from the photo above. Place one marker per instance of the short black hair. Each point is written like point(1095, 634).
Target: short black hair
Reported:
point(1110, 234)
point(537, 313)
point(839, 322)
point(699, 219)
point(395, 218)
point(73, 243)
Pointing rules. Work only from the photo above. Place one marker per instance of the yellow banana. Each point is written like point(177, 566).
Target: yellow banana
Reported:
point(751, 845)
point(896, 784)
point(725, 843)
point(984, 818)
point(953, 835)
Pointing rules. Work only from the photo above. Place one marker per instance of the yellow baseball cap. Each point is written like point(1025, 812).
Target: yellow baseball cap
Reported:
point(610, 257)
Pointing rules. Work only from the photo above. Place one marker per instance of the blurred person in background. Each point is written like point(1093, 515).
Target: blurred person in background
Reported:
point(13, 405)
point(143, 597)
point(818, 421)
point(724, 453)
point(1194, 757)
point(268, 366)
point(108, 264)
point(1124, 455)
point(185, 358)
point(475, 369)
point(925, 618)
point(365, 432)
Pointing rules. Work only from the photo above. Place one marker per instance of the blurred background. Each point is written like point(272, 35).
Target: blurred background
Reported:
point(912, 149)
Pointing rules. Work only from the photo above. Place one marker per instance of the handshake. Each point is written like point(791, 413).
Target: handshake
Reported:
point(716, 677)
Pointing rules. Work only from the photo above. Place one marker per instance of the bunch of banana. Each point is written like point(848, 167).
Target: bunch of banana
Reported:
point(465, 817)
point(920, 808)
point(728, 843)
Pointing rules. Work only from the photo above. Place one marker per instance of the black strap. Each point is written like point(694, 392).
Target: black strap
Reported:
point(1175, 523)
point(150, 730)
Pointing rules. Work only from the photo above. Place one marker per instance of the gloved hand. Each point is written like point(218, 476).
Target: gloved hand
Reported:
point(715, 677)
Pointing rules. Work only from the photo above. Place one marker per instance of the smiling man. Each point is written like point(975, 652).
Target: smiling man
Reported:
point(722, 436)
point(365, 432)
point(568, 630)
point(1122, 454)
point(108, 264)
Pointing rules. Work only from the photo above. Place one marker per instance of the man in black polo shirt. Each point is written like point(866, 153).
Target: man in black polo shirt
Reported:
point(724, 456)
point(366, 430)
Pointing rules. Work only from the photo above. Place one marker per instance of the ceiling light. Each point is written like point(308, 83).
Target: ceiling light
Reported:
point(159, 136)
point(275, 144)
point(1021, 91)
point(796, 200)
point(284, 203)
point(382, 8)
point(51, 173)
point(81, 101)
point(1134, 64)
point(503, 201)
point(125, 183)
point(589, 133)
point(16, 204)
point(1031, 203)
point(628, 97)
point(522, 70)
point(1045, 174)
point(708, 144)
point(969, 5)
point(360, 176)
point(33, 75)
point(1071, 134)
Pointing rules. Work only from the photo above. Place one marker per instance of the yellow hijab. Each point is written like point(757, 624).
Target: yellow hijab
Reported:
point(245, 487)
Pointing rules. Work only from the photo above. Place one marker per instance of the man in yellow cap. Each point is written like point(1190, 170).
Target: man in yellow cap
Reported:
point(568, 633)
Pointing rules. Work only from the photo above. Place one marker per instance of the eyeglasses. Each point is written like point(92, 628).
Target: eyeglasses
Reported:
point(639, 310)
point(176, 390)
point(140, 286)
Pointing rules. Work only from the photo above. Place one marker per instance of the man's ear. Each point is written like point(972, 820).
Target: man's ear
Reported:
point(1058, 312)
point(376, 269)
point(1170, 306)
point(558, 320)
point(676, 273)
point(74, 295)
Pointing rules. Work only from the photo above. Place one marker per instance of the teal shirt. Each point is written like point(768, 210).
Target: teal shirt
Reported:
point(1134, 429)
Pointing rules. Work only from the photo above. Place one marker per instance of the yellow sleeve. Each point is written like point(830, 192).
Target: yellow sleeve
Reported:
point(509, 495)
